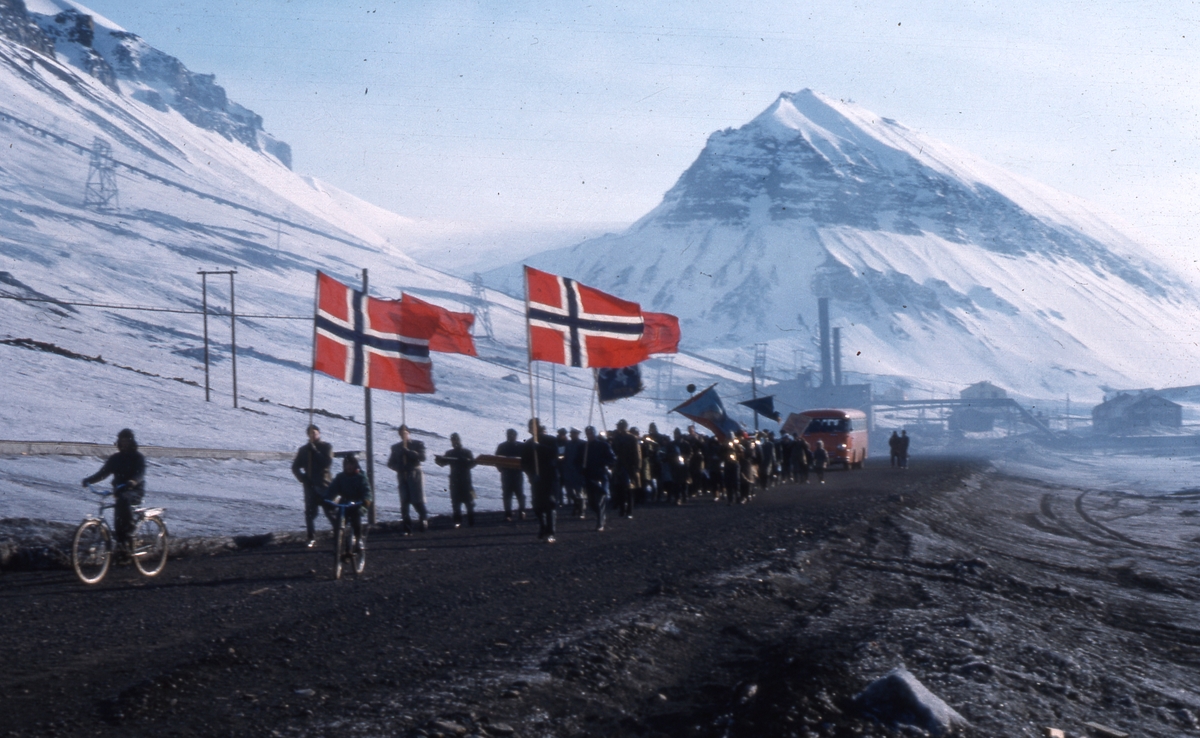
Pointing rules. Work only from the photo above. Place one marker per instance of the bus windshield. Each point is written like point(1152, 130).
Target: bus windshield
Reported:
point(828, 425)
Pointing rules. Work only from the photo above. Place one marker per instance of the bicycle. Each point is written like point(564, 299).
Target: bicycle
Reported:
point(348, 549)
point(93, 545)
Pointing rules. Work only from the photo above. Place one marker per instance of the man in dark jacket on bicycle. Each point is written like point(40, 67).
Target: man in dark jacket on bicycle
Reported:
point(351, 485)
point(311, 468)
point(128, 469)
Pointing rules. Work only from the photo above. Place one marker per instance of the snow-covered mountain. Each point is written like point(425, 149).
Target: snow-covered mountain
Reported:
point(942, 269)
point(201, 185)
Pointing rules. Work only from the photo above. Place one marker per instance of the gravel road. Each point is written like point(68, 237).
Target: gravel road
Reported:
point(1007, 599)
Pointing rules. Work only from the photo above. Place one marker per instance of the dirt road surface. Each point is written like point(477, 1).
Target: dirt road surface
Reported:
point(702, 620)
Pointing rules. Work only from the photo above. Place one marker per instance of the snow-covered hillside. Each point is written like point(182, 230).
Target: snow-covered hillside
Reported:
point(942, 269)
point(203, 186)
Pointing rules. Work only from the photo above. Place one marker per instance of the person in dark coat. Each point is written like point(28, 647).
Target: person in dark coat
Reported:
point(894, 449)
point(406, 460)
point(572, 472)
point(598, 456)
point(677, 457)
point(801, 458)
point(311, 467)
point(462, 492)
point(903, 448)
point(539, 461)
point(512, 481)
point(128, 470)
point(820, 461)
point(627, 470)
point(351, 485)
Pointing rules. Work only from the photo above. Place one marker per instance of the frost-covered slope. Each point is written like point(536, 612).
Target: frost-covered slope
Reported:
point(198, 192)
point(941, 268)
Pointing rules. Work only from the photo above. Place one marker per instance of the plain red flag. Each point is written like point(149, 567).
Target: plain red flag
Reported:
point(453, 334)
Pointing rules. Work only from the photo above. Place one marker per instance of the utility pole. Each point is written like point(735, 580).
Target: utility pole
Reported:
point(232, 327)
point(754, 394)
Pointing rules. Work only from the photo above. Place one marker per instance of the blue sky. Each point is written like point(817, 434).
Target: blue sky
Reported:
point(564, 113)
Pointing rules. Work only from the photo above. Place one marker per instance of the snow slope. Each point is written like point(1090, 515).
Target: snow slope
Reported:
point(942, 269)
point(202, 186)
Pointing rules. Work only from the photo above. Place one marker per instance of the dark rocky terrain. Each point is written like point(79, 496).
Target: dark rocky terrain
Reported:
point(707, 620)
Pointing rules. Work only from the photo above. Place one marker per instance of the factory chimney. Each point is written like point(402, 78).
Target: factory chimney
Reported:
point(837, 356)
point(826, 368)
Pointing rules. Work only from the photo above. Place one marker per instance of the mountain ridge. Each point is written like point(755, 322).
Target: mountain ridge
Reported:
point(938, 265)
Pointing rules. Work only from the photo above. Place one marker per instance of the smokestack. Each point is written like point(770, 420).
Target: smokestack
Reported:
point(837, 356)
point(826, 369)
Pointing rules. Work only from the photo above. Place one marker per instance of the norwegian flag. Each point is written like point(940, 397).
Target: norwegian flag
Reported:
point(370, 342)
point(577, 325)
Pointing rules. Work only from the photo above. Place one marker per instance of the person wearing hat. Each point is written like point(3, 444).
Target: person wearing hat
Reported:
point(406, 461)
point(128, 469)
point(311, 468)
point(462, 492)
point(351, 485)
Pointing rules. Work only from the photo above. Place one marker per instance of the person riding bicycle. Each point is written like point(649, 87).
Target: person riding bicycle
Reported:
point(351, 485)
point(128, 469)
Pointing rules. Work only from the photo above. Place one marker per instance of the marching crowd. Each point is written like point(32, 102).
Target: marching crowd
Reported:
point(581, 475)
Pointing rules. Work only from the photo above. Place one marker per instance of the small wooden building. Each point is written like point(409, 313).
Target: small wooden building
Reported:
point(983, 391)
point(1128, 413)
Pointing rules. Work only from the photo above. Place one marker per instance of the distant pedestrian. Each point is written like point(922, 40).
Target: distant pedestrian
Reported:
point(406, 461)
point(903, 446)
point(462, 492)
point(820, 461)
point(311, 468)
point(512, 482)
point(598, 456)
point(627, 470)
point(572, 473)
point(801, 459)
point(894, 448)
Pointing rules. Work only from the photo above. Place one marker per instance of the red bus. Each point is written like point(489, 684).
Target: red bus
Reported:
point(844, 433)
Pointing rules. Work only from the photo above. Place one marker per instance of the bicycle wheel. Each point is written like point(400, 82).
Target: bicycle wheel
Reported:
point(150, 546)
point(339, 547)
point(359, 552)
point(91, 551)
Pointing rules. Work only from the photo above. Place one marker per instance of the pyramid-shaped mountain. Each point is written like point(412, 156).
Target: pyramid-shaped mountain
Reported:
point(941, 268)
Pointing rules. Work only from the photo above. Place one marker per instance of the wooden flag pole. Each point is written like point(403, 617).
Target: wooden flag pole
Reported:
point(599, 402)
point(369, 423)
point(312, 374)
point(529, 369)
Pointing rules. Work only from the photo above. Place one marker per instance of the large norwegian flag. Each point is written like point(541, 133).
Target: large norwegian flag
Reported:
point(370, 342)
point(577, 325)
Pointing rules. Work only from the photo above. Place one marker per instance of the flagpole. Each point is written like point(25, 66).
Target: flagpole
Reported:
point(370, 421)
point(529, 368)
point(592, 398)
point(599, 402)
point(754, 395)
point(312, 374)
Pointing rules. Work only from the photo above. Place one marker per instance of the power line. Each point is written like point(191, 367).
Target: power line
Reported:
point(180, 311)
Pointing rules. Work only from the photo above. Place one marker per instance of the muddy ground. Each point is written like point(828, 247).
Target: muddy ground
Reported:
point(1022, 605)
